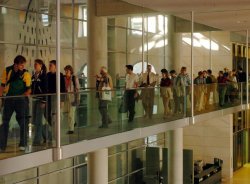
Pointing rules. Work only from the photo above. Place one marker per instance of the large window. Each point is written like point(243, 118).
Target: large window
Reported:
point(82, 15)
point(152, 24)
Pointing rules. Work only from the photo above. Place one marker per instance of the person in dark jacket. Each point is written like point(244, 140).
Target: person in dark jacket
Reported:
point(39, 87)
point(222, 88)
point(15, 81)
point(51, 102)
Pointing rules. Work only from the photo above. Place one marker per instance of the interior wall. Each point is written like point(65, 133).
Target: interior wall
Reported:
point(212, 139)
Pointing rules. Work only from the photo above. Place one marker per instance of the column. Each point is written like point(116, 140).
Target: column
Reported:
point(175, 156)
point(98, 167)
point(97, 55)
point(97, 42)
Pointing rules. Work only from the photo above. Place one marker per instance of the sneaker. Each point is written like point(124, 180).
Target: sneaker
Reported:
point(21, 148)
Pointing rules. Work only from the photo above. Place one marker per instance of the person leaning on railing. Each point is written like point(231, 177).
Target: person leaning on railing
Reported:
point(16, 81)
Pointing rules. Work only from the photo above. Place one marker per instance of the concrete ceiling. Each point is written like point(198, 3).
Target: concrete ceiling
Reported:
point(233, 15)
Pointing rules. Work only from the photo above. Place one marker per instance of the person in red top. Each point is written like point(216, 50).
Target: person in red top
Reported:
point(166, 91)
point(222, 88)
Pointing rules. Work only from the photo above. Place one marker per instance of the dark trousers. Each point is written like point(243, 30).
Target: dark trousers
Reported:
point(130, 100)
point(50, 115)
point(103, 109)
point(37, 119)
point(148, 101)
point(21, 107)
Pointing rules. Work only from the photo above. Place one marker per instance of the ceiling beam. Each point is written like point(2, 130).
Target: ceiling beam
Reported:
point(117, 7)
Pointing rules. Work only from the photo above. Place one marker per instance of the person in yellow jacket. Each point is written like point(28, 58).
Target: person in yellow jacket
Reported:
point(16, 81)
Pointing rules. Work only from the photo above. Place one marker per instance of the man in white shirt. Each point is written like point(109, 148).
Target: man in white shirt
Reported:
point(149, 80)
point(130, 93)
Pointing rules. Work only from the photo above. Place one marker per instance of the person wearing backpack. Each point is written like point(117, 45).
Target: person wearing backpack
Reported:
point(72, 99)
point(16, 81)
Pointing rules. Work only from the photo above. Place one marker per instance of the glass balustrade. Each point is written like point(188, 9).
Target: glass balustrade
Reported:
point(86, 115)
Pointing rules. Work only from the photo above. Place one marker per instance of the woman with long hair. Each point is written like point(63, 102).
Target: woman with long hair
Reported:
point(39, 89)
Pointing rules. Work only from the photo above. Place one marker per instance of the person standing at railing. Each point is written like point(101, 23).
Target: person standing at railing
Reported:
point(104, 80)
point(199, 92)
point(166, 92)
point(51, 109)
point(131, 94)
point(212, 88)
point(233, 86)
point(222, 88)
point(183, 83)
point(173, 102)
point(242, 78)
point(16, 81)
point(148, 80)
point(241, 75)
point(39, 86)
point(72, 99)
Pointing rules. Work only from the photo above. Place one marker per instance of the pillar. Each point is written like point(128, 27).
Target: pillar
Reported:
point(98, 167)
point(97, 56)
point(97, 42)
point(175, 156)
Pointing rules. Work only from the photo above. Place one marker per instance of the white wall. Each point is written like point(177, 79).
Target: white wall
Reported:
point(210, 139)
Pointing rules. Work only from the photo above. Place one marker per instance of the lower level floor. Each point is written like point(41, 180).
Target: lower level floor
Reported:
point(241, 176)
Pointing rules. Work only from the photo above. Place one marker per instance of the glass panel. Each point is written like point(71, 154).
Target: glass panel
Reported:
point(117, 165)
point(55, 166)
point(117, 39)
point(19, 176)
point(64, 176)
point(80, 34)
point(66, 33)
point(123, 180)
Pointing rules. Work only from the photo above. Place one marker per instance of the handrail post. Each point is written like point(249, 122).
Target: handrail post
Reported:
point(57, 154)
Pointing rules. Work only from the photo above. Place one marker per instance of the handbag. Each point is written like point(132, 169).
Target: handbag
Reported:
point(106, 93)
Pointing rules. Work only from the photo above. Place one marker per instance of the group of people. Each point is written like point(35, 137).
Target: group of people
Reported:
point(17, 84)
point(174, 89)
point(208, 90)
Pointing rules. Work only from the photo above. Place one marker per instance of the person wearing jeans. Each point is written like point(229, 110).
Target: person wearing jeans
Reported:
point(39, 86)
point(16, 81)
point(102, 81)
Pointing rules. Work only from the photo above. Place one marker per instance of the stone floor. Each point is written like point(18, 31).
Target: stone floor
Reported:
point(241, 176)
